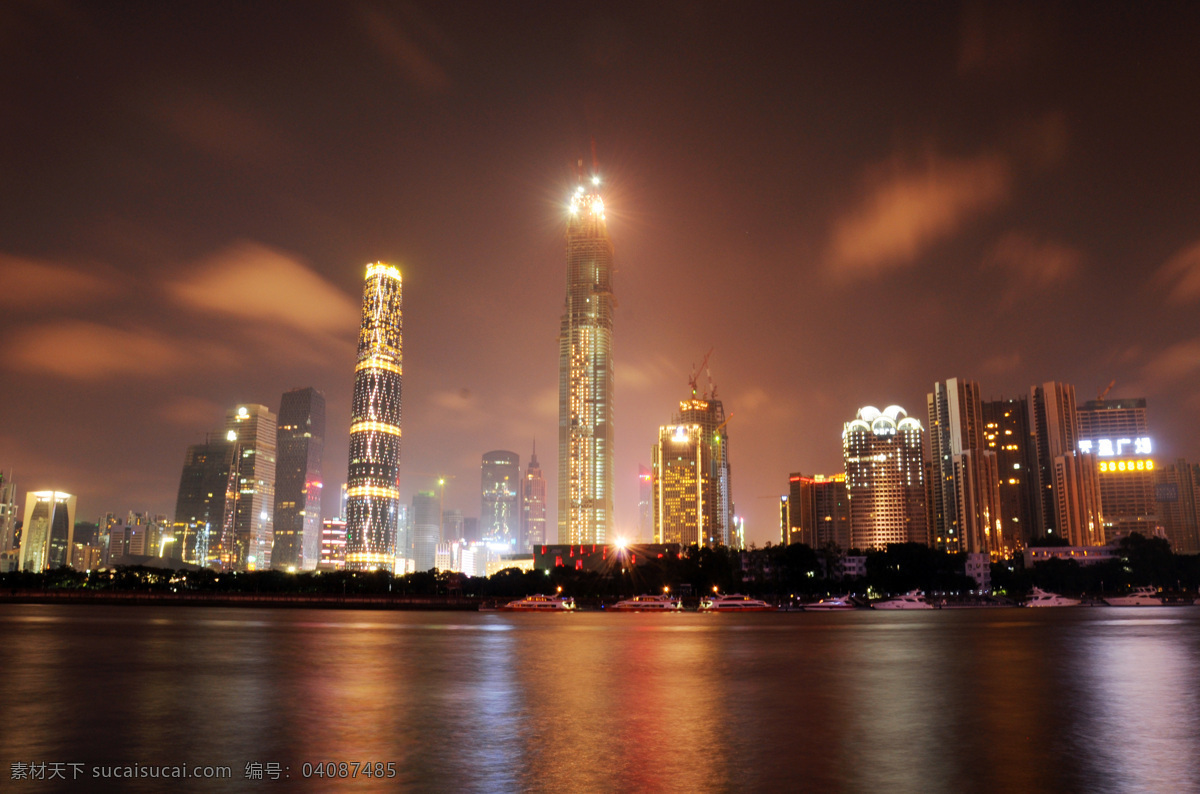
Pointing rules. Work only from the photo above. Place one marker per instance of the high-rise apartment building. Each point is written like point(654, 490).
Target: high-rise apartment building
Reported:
point(816, 511)
point(964, 513)
point(533, 505)
point(645, 525)
point(333, 545)
point(1117, 434)
point(252, 428)
point(1068, 488)
point(203, 509)
point(500, 512)
point(585, 375)
point(48, 532)
point(425, 529)
point(885, 478)
point(452, 525)
point(373, 482)
point(1177, 492)
point(1006, 433)
point(300, 439)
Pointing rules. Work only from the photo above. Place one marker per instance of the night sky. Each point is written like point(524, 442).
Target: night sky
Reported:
point(845, 201)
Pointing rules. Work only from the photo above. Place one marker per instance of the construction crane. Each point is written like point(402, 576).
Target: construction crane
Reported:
point(1100, 397)
point(696, 374)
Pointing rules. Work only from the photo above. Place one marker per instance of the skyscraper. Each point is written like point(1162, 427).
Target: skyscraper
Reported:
point(816, 511)
point(1177, 491)
point(645, 525)
point(425, 529)
point(585, 375)
point(372, 485)
point(300, 440)
point(533, 505)
point(1117, 433)
point(885, 478)
point(500, 513)
point(204, 506)
point(1068, 489)
point(678, 469)
point(48, 534)
point(965, 509)
point(708, 413)
point(253, 429)
point(8, 512)
point(1006, 432)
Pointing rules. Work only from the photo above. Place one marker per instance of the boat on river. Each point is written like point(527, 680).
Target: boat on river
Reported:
point(831, 604)
point(1041, 598)
point(910, 600)
point(541, 603)
point(734, 602)
point(648, 603)
point(1140, 597)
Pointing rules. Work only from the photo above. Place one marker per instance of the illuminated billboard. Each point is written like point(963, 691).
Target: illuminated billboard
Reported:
point(1117, 447)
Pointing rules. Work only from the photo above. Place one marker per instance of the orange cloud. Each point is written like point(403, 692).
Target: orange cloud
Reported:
point(1029, 265)
point(86, 351)
point(414, 62)
point(906, 210)
point(34, 284)
point(220, 129)
point(1181, 275)
point(259, 284)
point(1177, 361)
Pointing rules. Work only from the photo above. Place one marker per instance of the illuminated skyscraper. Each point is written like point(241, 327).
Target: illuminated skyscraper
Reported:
point(885, 478)
point(8, 512)
point(1117, 434)
point(585, 375)
point(709, 414)
point(816, 511)
point(1177, 491)
point(965, 509)
point(679, 468)
point(48, 534)
point(205, 503)
point(253, 429)
point(372, 485)
point(300, 440)
point(500, 512)
point(533, 505)
point(1006, 432)
point(425, 530)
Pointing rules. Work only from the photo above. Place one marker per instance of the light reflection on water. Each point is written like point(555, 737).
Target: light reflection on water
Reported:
point(948, 701)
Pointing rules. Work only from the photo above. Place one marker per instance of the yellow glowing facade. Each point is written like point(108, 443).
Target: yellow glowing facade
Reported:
point(585, 384)
point(372, 495)
point(680, 483)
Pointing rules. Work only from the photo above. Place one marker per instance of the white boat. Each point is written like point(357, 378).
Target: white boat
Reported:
point(648, 603)
point(1140, 597)
point(734, 602)
point(831, 604)
point(1040, 598)
point(541, 603)
point(911, 600)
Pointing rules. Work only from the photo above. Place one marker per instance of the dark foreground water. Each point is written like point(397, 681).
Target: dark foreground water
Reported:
point(1067, 700)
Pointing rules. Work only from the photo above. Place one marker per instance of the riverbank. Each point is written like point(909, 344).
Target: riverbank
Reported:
point(257, 600)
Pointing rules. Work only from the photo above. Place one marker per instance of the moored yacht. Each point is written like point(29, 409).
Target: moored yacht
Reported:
point(1040, 598)
point(541, 603)
point(1140, 597)
point(911, 600)
point(734, 602)
point(831, 604)
point(648, 603)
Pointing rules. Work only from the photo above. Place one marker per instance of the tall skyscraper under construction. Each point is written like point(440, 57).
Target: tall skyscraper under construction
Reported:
point(372, 484)
point(585, 374)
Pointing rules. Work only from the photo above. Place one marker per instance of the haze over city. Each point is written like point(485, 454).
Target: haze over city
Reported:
point(845, 202)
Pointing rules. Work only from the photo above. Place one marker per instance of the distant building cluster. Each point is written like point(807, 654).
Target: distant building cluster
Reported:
point(996, 477)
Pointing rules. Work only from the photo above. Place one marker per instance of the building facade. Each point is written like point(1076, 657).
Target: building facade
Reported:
point(424, 529)
point(373, 480)
point(1006, 433)
point(585, 375)
point(8, 513)
point(1068, 489)
point(679, 472)
point(499, 483)
point(816, 511)
point(1117, 433)
point(252, 428)
point(300, 440)
point(205, 501)
point(1177, 493)
point(48, 531)
point(533, 506)
point(964, 509)
point(709, 415)
point(333, 545)
point(885, 478)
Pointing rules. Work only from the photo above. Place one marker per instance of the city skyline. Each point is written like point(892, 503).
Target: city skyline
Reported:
point(1017, 174)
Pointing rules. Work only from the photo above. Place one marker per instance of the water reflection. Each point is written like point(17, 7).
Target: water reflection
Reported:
point(1062, 700)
